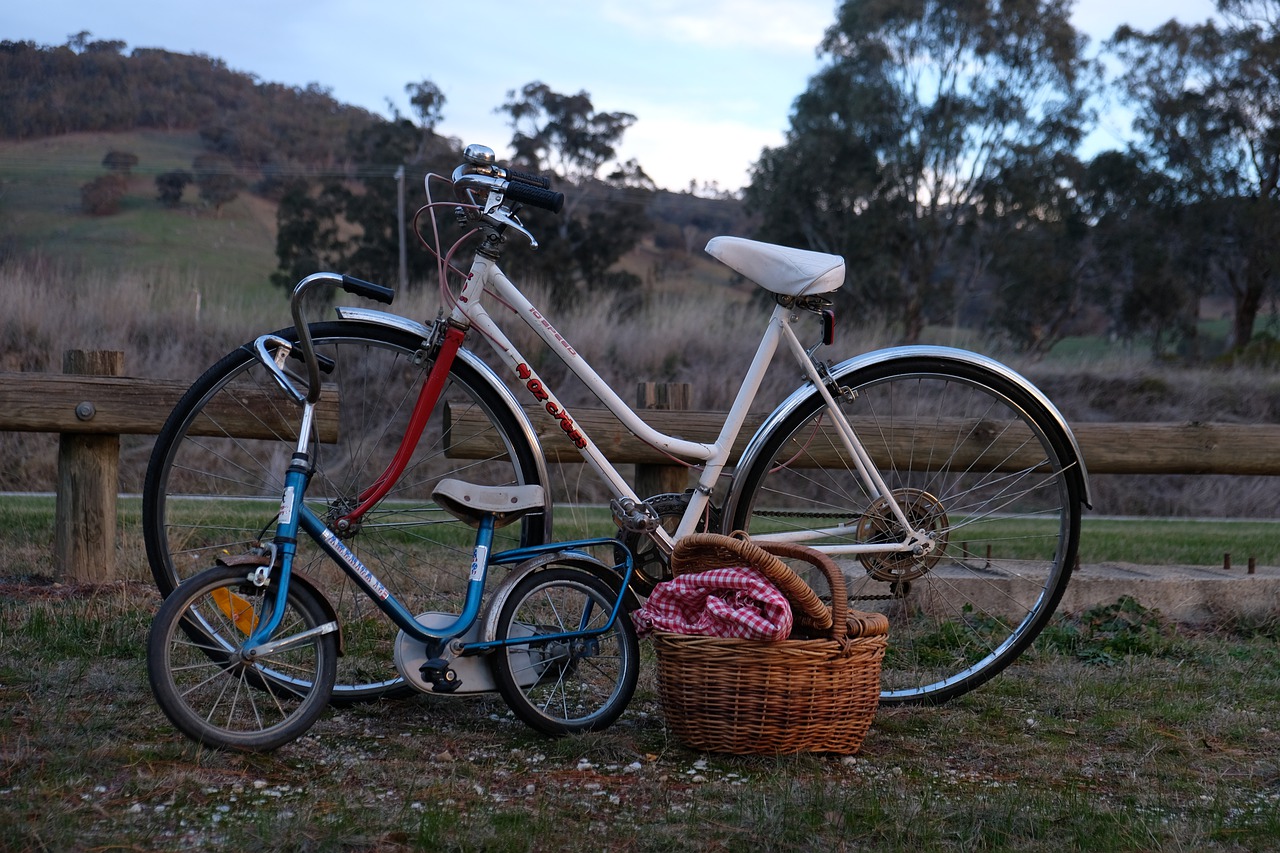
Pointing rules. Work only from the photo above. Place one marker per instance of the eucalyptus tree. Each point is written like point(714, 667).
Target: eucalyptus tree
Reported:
point(606, 204)
point(1031, 236)
point(1148, 273)
point(345, 218)
point(898, 138)
point(1207, 105)
point(217, 180)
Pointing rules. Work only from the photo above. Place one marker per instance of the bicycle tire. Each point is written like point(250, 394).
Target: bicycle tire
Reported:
point(214, 697)
point(207, 495)
point(1006, 538)
point(568, 686)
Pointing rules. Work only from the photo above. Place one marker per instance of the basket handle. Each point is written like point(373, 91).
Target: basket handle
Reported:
point(697, 548)
point(835, 579)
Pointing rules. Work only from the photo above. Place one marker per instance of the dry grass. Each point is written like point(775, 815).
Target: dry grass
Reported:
point(702, 332)
point(168, 325)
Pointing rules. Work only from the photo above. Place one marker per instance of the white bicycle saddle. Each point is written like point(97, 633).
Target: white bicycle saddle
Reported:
point(779, 269)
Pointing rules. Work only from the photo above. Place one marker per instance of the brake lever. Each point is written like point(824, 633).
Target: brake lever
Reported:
point(495, 211)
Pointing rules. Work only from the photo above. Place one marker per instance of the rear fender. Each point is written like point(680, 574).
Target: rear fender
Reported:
point(573, 559)
point(839, 372)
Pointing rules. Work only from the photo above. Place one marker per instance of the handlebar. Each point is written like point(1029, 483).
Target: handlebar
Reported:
point(526, 178)
point(467, 178)
point(481, 172)
point(367, 289)
point(536, 196)
point(272, 350)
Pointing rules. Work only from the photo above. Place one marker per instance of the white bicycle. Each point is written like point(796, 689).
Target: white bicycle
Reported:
point(947, 487)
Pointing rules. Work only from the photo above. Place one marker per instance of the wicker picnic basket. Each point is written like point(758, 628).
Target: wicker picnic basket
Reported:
point(814, 692)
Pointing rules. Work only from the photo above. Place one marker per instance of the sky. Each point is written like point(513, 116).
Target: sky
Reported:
point(711, 83)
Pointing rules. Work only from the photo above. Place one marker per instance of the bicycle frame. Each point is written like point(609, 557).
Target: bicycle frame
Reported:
point(295, 515)
point(469, 312)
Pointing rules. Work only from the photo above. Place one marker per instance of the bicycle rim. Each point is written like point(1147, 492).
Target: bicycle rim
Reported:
point(570, 685)
point(970, 457)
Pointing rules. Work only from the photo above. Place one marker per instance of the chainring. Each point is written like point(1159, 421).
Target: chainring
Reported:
point(651, 565)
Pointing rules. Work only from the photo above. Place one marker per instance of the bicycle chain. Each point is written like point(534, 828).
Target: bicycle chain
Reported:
point(780, 513)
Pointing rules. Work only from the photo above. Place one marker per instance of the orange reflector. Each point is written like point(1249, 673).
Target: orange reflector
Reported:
point(237, 609)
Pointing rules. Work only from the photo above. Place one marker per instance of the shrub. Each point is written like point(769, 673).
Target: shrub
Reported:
point(101, 196)
point(1109, 633)
point(218, 182)
point(171, 185)
point(120, 161)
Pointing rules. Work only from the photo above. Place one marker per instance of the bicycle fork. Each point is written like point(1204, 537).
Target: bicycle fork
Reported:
point(285, 544)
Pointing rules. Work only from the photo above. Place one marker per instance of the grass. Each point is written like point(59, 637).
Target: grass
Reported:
point(40, 206)
point(1169, 746)
point(28, 525)
point(1178, 541)
point(1212, 336)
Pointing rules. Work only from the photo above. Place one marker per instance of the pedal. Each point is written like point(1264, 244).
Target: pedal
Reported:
point(634, 517)
point(442, 676)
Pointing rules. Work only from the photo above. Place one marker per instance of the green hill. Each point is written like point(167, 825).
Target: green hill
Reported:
point(231, 254)
point(69, 105)
point(40, 209)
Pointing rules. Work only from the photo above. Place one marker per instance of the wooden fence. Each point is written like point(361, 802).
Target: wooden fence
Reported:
point(91, 405)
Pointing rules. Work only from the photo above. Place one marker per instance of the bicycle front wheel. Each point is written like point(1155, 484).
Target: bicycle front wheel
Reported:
point(975, 461)
point(214, 696)
point(216, 475)
point(564, 684)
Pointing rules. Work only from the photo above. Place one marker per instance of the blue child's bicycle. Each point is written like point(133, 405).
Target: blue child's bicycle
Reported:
point(243, 655)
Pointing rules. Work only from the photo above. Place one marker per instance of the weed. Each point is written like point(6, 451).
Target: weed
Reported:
point(1109, 633)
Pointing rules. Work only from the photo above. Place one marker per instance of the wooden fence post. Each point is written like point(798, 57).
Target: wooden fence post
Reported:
point(84, 546)
point(653, 480)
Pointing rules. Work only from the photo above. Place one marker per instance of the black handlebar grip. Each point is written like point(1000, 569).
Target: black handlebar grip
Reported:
point(368, 289)
point(526, 178)
point(536, 196)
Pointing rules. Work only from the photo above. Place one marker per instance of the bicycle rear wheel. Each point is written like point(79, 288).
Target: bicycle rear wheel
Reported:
point(572, 684)
point(972, 458)
point(216, 474)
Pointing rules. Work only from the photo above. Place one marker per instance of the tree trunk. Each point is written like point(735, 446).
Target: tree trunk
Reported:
point(1247, 302)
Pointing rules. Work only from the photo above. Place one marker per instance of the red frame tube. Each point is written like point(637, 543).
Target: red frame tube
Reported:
point(427, 399)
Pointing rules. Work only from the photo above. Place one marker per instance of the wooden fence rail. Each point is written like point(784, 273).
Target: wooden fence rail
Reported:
point(90, 412)
point(1108, 448)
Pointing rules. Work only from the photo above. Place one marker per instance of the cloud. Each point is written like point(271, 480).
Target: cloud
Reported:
point(672, 146)
point(795, 26)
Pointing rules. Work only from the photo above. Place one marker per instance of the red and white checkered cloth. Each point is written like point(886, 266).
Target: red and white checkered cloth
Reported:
point(725, 602)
